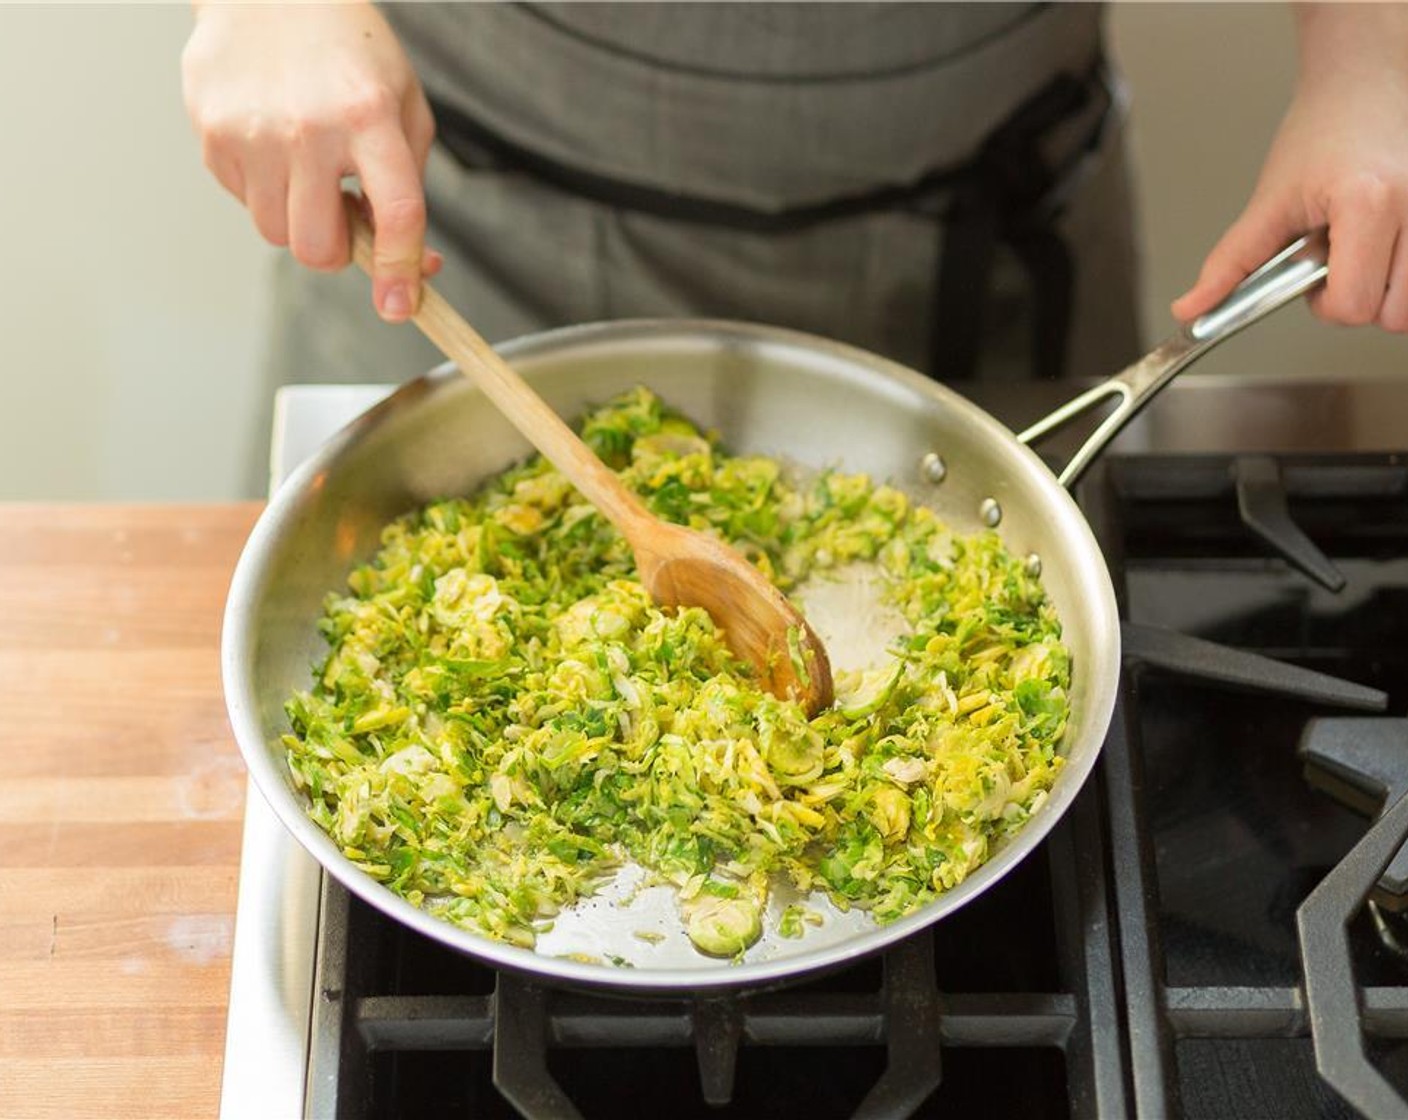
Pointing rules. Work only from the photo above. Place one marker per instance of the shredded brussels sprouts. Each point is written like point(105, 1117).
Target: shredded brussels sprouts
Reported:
point(504, 717)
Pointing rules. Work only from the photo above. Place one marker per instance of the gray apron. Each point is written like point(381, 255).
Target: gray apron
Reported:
point(915, 179)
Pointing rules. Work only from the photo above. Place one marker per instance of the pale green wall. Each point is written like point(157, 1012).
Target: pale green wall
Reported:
point(130, 285)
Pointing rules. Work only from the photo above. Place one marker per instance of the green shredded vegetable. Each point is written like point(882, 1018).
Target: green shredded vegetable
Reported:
point(504, 717)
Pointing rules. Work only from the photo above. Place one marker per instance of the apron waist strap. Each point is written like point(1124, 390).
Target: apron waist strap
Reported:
point(476, 146)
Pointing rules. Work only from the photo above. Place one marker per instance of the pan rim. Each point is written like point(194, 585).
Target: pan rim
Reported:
point(253, 571)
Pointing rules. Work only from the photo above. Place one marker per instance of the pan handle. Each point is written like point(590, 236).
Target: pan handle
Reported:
point(1290, 273)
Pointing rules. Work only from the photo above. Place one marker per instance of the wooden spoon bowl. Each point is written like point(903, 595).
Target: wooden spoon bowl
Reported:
point(684, 568)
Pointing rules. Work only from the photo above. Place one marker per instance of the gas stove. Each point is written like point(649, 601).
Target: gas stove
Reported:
point(1219, 928)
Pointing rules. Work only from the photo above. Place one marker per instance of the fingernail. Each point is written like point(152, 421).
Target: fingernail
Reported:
point(397, 303)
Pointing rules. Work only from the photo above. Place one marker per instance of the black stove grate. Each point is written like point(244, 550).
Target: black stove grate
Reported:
point(1246, 997)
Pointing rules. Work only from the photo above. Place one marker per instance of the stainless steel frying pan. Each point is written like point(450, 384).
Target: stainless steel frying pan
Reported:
point(767, 391)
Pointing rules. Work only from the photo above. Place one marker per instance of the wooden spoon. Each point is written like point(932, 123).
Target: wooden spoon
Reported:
point(678, 566)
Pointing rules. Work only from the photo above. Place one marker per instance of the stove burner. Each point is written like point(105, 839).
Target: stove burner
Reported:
point(1387, 928)
point(1363, 764)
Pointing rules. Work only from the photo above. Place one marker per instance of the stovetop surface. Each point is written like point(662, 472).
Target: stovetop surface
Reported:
point(1148, 959)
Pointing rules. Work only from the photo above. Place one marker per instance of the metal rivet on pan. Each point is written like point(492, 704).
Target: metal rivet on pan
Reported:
point(1033, 564)
point(933, 468)
point(990, 512)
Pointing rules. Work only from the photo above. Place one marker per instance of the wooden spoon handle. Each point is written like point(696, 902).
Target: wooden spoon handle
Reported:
point(528, 412)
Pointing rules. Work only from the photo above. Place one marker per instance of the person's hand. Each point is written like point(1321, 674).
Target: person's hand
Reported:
point(1340, 159)
point(289, 99)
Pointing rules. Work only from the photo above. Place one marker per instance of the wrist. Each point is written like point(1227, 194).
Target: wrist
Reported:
point(1341, 40)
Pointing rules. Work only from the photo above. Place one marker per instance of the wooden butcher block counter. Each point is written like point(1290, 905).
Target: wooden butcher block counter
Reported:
point(121, 799)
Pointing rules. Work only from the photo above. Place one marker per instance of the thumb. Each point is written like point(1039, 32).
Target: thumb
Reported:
point(1263, 230)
